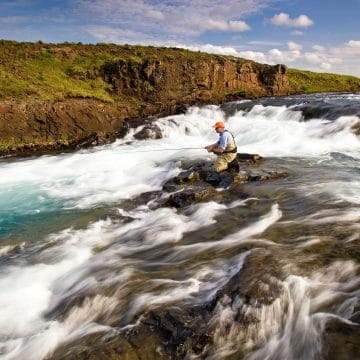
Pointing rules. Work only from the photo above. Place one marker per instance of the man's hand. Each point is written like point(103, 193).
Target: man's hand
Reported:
point(217, 150)
point(214, 148)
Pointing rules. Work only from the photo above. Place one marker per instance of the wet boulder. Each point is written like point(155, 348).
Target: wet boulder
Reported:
point(248, 159)
point(341, 340)
point(190, 175)
point(149, 131)
point(187, 197)
point(211, 177)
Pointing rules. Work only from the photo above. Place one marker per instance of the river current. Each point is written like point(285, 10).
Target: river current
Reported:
point(63, 236)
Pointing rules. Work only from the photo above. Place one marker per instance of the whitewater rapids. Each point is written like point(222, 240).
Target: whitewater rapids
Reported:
point(61, 240)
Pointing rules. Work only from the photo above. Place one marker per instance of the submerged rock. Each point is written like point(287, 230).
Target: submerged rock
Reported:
point(189, 196)
point(149, 131)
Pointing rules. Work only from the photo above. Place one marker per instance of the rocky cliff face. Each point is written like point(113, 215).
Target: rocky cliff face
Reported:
point(191, 81)
point(140, 87)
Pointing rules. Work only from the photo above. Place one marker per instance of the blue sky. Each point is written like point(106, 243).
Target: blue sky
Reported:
point(320, 35)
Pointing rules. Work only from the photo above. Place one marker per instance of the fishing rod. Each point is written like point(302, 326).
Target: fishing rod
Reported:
point(168, 149)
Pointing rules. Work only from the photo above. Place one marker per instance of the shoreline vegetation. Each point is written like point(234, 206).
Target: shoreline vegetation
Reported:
point(56, 97)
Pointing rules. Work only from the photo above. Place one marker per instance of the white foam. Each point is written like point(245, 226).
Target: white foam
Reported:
point(114, 172)
point(279, 131)
point(246, 235)
point(28, 290)
point(4, 250)
point(291, 326)
point(201, 284)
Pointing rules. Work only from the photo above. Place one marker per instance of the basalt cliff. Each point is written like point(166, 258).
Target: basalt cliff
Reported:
point(66, 96)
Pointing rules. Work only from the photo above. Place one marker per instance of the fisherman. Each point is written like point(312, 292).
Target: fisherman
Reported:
point(225, 148)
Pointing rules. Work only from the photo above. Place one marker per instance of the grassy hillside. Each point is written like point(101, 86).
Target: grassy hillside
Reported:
point(302, 81)
point(59, 71)
point(69, 70)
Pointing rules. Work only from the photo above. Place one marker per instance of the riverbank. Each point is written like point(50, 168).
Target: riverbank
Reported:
point(59, 97)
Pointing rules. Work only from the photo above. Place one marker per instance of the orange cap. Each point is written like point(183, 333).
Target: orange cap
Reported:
point(218, 125)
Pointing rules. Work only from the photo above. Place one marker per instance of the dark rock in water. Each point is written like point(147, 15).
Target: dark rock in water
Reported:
point(210, 176)
point(149, 131)
point(187, 176)
point(187, 197)
point(226, 181)
point(181, 108)
point(249, 159)
point(341, 340)
point(254, 287)
point(145, 197)
point(170, 186)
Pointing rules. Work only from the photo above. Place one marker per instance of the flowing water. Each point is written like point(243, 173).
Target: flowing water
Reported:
point(71, 266)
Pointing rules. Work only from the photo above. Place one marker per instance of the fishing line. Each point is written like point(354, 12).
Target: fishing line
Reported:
point(169, 149)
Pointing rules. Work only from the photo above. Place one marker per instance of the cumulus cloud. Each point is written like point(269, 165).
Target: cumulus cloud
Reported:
point(283, 19)
point(342, 59)
point(172, 19)
point(225, 25)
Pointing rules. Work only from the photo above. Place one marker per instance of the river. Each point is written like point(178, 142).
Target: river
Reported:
point(71, 265)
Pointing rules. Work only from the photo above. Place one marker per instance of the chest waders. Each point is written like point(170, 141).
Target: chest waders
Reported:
point(226, 157)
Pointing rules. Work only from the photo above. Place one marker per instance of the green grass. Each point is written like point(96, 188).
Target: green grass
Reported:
point(75, 70)
point(302, 81)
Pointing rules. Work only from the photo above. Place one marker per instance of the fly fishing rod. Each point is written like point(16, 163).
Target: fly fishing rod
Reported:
point(168, 149)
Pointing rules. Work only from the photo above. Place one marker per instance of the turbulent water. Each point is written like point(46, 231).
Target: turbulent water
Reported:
point(69, 266)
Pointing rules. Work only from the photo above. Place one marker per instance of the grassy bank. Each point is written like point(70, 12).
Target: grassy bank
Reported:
point(69, 70)
point(59, 71)
point(302, 81)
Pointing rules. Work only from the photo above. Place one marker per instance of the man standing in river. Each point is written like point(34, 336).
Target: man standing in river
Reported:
point(225, 148)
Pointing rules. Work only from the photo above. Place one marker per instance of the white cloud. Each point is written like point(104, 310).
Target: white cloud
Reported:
point(293, 46)
point(120, 36)
point(297, 33)
point(264, 43)
point(212, 49)
point(284, 19)
point(342, 59)
point(225, 26)
point(172, 19)
point(319, 48)
point(154, 14)
point(238, 26)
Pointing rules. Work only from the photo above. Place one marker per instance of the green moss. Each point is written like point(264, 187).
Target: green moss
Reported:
point(151, 59)
point(170, 57)
point(134, 61)
point(148, 87)
point(6, 145)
